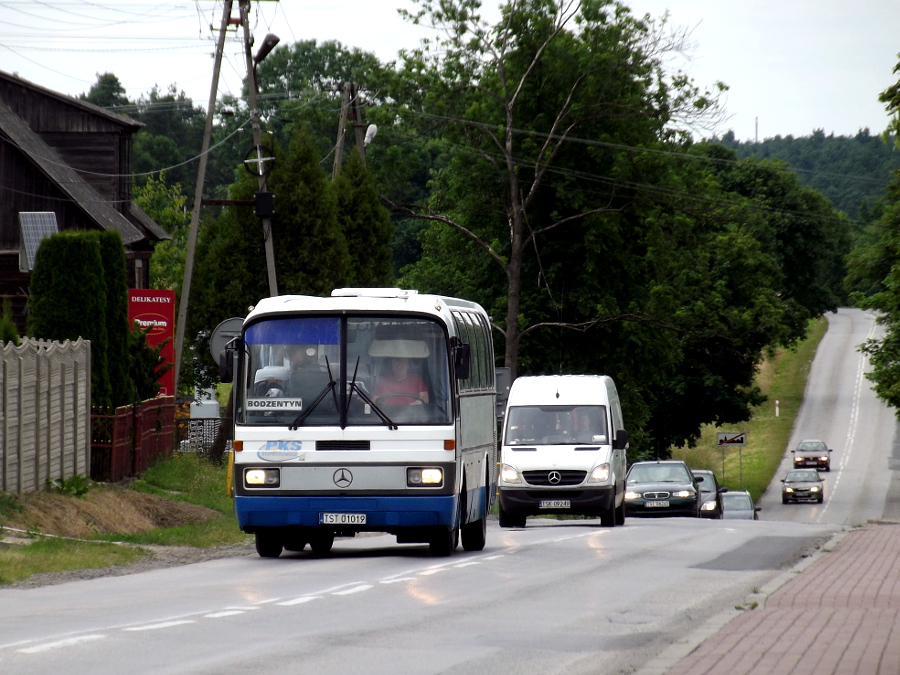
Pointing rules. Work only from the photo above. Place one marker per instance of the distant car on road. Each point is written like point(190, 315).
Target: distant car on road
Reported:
point(710, 493)
point(814, 453)
point(738, 505)
point(802, 485)
point(662, 488)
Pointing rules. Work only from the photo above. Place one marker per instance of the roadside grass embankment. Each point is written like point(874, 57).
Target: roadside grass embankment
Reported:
point(781, 378)
point(178, 502)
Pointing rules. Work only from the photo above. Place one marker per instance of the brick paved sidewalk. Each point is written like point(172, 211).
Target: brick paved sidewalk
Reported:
point(840, 615)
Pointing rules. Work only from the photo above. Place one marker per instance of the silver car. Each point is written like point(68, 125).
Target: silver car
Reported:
point(802, 485)
point(738, 505)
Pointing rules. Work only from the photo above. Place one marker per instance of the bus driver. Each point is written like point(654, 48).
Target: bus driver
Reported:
point(400, 387)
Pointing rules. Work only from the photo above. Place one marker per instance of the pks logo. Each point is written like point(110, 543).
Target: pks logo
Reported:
point(280, 451)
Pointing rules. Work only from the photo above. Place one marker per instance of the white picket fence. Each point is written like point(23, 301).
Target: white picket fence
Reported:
point(45, 413)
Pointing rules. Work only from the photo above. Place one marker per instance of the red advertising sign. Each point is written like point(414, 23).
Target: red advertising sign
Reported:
point(156, 310)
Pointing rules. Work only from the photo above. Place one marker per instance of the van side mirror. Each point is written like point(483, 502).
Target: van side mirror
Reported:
point(503, 379)
point(621, 439)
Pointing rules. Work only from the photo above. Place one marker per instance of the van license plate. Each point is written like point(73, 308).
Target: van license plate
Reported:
point(555, 504)
point(342, 518)
point(657, 504)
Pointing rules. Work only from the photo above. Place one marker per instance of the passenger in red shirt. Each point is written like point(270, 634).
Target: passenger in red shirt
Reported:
point(391, 388)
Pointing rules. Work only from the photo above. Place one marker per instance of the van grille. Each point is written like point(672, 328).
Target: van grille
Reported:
point(543, 477)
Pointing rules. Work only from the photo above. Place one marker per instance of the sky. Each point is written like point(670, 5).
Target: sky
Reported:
point(792, 66)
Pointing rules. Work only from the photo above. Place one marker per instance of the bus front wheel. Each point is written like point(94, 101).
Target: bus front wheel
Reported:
point(268, 545)
point(444, 541)
point(321, 543)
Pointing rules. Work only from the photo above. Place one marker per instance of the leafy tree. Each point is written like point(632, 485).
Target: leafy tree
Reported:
point(106, 92)
point(625, 249)
point(168, 207)
point(851, 171)
point(519, 100)
point(68, 300)
point(172, 135)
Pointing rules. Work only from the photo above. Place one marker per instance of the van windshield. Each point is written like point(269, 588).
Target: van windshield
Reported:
point(556, 425)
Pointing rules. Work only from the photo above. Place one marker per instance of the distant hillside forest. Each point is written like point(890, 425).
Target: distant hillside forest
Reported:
point(849, 170)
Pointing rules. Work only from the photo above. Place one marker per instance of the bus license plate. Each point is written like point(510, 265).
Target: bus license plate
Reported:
point(555, 504)
point(342, 518)
point(657, 504)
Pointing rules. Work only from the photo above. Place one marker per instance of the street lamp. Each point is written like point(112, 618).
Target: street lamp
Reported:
point(268, 44)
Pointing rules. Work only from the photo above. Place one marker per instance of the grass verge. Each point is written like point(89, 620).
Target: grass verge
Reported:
point(185, 478)
point(48, 554)
point(752, 467)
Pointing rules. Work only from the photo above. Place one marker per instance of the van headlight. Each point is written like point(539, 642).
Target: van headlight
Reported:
point(509, 475)
point(600, 474)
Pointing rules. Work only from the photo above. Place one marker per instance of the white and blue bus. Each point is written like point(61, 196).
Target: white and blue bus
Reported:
point(370, 410)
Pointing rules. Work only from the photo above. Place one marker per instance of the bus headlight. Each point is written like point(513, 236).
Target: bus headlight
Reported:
point(424, 477)
point(509, 475)
point(270, 478)
point(600, 474)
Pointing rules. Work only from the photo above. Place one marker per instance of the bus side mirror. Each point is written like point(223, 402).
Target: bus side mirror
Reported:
point(463, 359)
point(226, 363)
point(621, 439)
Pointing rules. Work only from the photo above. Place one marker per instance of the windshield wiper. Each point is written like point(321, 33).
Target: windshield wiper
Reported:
point(358, 389)
point(331, 386)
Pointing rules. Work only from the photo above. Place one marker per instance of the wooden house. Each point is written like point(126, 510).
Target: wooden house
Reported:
point(71, 158)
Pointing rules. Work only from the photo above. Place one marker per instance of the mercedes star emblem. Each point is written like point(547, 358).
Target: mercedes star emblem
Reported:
point(343, 478)
point(554, 477)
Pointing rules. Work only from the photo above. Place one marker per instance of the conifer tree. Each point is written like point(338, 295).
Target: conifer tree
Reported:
point(366, 225)
point(112, 254)
point(311, 253)
point(68, 300)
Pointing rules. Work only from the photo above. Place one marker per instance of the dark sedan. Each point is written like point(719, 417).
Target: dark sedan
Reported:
point(802, 485)
point(812, 453)
point(663, 488)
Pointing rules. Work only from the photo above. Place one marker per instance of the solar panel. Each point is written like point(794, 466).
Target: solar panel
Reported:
point(34, 227)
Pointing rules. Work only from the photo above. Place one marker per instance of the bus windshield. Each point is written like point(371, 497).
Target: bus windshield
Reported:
point(345, 370)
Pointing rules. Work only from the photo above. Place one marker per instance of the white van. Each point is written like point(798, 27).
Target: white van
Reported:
point(563, 450)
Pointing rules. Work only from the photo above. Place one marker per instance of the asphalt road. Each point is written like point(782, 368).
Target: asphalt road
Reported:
point(841, 409)
point(556, 597)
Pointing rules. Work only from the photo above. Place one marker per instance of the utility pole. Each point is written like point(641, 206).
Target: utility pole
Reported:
point(264, 212)
point(198, 195)
point(342, 126)
point(352, 112)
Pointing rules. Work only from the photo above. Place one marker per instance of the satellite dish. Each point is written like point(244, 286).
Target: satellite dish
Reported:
point(224, 333)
